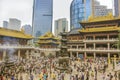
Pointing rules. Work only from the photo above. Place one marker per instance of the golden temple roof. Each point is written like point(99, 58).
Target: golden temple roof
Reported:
point(14, 33)
point(100, 18)
point(48, 35)
point(102, 29)
point(48, 38)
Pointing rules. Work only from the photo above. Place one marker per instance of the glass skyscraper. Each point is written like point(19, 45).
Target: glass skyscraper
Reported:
point(117, 7)
point(80, 10)
point(42, 17)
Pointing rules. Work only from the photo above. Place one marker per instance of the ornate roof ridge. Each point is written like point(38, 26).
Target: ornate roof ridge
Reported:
point(92, 18)
point(14, 33)
point(100, 29)
point(48, 35)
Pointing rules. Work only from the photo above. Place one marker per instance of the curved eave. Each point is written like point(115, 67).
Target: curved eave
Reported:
point(44, 38)
point(47, 43)
point(14, 34)
point(84, 23)
point(105, 29)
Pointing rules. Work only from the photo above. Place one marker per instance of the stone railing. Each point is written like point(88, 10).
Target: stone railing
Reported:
point(95, 50)
point(15, 46)
point(48, 49)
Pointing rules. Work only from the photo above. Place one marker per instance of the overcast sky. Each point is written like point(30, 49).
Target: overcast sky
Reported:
point(22, 9)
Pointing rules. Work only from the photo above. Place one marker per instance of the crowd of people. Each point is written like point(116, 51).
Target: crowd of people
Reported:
point(44, 68)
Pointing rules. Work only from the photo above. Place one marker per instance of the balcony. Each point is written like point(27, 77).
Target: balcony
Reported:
point(48, 49)
point(75, 41)
point(15, 46)
point(95, 50)
point(101, 40)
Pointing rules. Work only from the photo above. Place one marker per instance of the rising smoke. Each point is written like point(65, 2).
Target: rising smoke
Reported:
point(7, 41)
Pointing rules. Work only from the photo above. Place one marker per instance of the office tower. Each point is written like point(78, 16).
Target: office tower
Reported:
point(117, 7)
point(5, 24)
point(61, 25)
point(14, 24)
point(80, 10)
point(42, 17)
point(101, 10)
point(27, 29)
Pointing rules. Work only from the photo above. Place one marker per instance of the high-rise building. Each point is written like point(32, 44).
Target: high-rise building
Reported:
point(5, 24)
point(81, 10)
point(117, 7)
point(100, 10)
point(61, 25)
point(14, 24)
point(27, 29)
point(42, 17)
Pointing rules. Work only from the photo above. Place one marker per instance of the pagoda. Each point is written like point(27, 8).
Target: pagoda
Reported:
point(63, 58)
point(48, 41)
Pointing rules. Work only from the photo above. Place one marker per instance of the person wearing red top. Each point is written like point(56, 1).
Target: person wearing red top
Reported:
point(1, 77)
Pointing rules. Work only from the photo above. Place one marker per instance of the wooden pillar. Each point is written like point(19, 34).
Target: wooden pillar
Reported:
point(27, 54)
point(93, 37)
point(108, 44)
point(77, 46)
point(71, 46)
point(108, 58)
point(85, 55)
point(114, 61)
point(19, 55)
point(94, 55)
point(108, 37)
point(77, 54)
point(94, 46)
point(4, 55)
point(84, 45)
point(71, 54)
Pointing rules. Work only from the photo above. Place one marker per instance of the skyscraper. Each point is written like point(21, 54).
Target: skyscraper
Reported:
point(101, 10)
point(81, 10)
point(5, 24)
point(14, 24)
point(27, 29)
point(42, 17)
point(117, 7)
point(61, 25)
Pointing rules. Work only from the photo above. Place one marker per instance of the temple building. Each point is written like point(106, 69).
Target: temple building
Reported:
point(13, 42)
point(48, 41)
point(97, 38)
